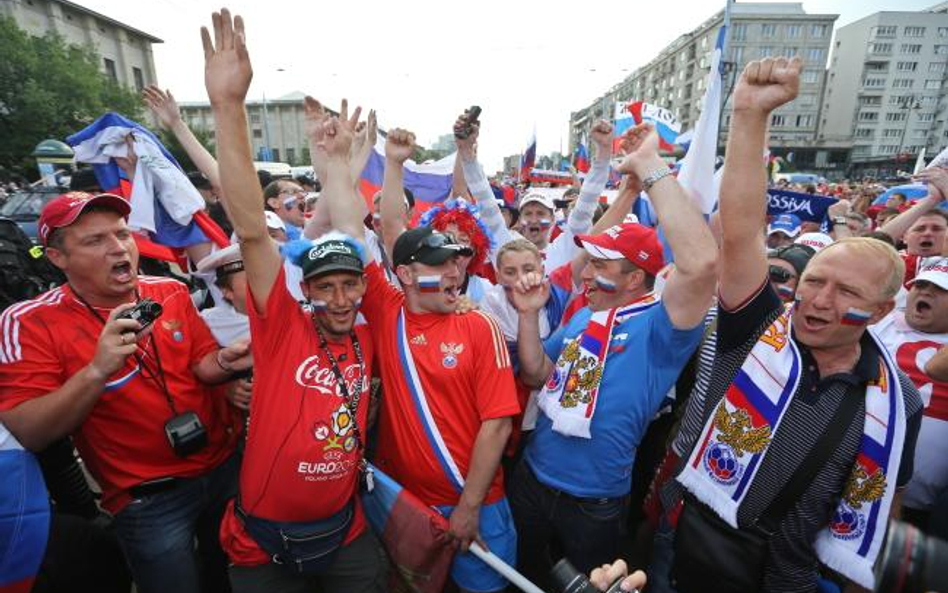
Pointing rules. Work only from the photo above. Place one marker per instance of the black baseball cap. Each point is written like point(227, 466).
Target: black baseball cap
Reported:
point(796, 255)
point(333, 255)
point(427, 246)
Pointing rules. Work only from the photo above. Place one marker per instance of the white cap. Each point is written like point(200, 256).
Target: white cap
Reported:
point(227, 255)
point(817, 241)
point(934, 270)
point(274, 221)
point(542, 199)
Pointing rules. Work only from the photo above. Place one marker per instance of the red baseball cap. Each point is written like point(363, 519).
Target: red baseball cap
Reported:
point(63, 210)
point(635, 242)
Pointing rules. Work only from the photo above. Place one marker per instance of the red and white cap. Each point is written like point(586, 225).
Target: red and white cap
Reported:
point(817, 241)
point(63, 210)
point(536, 197)
point(635, 242)
point(934, 270)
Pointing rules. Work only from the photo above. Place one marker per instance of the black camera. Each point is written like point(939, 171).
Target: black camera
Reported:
point(569, 580)
point(470, 118)
point(186, 434)
point(145, 312)
point(911, 562)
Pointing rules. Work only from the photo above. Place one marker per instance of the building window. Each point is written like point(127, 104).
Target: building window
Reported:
point(794, 31)
point(810, 76)
point(943, 31)
point(255, 118)
point(790, 51)
point(914, 31)
point(926, 117)
point(902, 83)
point(888, 149)
point(766, 51)
point(276, 154)
point(863, 132)
point(884, 31)
point(737, 54)
point(868, 116)
point(139, 78)
point(739, 32)
point(892, 133)
point(880, 48)
point(806, 100)
point(932, 85)
point(257, 133)
point(906, 66)
point(873, 82)
point(110, 69)
point(936, 68)
point(778, 121)
point(877, 66)
point(815, 55)
point(890, 117)
point(911, 48)
point(941, 50)
point(818, 31)
point(767, 31)
point(804, 121)
point(291, 155)
point(928, 101)
point(870, 101)
point(860, 151)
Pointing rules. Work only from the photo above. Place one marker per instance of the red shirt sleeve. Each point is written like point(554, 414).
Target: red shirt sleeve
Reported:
point(30, 366)
point(381, 298)
point(493, 380)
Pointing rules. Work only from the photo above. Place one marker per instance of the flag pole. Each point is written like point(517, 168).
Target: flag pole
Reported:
point(507, 571)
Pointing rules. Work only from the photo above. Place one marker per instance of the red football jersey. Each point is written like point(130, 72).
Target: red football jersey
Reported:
point(464, 368)
point(301, 462)
point(123, 443)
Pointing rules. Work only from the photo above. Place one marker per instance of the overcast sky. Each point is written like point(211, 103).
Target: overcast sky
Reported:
point(419, 63)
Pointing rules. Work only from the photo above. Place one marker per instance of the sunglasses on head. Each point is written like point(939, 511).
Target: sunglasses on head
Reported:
point(778, 274)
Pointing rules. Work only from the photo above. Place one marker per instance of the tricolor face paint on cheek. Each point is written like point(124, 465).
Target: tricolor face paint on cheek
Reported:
point(856, 316)
point(318, 306)
point(545, 223)
point(429, 284)
point(604, 284)
point(785, 291)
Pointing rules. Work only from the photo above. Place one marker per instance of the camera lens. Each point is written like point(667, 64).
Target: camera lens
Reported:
point(911, 561)
point(568, 580)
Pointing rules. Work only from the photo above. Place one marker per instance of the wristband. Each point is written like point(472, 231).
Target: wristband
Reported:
point(839, 220)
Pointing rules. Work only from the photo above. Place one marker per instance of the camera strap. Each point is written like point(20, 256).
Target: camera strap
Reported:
point(157, 377)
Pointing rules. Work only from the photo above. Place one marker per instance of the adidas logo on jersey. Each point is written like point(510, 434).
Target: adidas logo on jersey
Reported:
point(419, 340)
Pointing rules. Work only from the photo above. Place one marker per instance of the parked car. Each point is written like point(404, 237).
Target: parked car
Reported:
point(24, 207)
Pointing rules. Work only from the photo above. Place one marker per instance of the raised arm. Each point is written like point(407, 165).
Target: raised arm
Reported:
point(165, 108)
point(764, 85)
point(479, 186)
point(529, 295)
point(227, 75)
point(580, 219)
point(937, 178)
point(690, 289)
point(398, 148)
point(338, 192)
point(314, 116)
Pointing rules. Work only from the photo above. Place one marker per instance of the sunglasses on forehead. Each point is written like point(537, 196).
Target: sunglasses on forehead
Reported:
point(778, 274)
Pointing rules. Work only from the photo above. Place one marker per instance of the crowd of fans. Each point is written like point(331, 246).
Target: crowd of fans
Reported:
point(745, 418)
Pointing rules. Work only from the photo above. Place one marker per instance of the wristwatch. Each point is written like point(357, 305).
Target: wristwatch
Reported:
point(654, 177)
point(839, 220)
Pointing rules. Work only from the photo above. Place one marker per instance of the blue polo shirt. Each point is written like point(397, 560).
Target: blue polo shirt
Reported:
point(646, 355)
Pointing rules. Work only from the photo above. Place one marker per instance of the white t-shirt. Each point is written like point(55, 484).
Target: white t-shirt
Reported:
point(226, 323)
point(912, 350)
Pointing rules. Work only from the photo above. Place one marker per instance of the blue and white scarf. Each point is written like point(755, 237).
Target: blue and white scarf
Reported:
point(736, 438)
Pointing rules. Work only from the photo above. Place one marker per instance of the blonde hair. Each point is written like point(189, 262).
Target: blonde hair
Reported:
point(518, 245)
point(876, 250)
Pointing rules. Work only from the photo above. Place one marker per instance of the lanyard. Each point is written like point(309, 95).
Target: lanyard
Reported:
point(351, 400)
point(157, 377)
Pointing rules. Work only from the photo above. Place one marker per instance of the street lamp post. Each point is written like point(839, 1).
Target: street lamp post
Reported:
point(267, 147)
point(909, 103)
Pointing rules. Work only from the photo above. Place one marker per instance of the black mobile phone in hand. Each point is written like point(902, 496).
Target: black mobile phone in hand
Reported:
point(471, 118)
point(145, 313)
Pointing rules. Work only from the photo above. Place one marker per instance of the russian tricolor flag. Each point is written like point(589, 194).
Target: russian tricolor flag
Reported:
point(414, 535)
point(665, 122)
point(581, 158)
point(164, 202)
point(430, 183)
point(529, 158)
point(24, 516)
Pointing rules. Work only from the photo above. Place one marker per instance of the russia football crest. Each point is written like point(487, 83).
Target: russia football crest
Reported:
point(451, 352)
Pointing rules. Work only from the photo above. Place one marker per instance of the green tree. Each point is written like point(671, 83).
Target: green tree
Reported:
point(50, 89)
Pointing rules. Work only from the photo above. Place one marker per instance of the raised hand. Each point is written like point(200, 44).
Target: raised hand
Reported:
point(399, 145)
point(640, 145)
point(937, 180)
point(314, 116)
point(530, 293)
point(162, 104)
point(227, 69)
point(336, 139)
point(767, 84)
point(467, 147)
point(601, 136)
point(367, 134)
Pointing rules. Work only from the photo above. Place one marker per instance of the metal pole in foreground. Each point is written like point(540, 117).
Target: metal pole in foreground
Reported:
point(504, 569)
